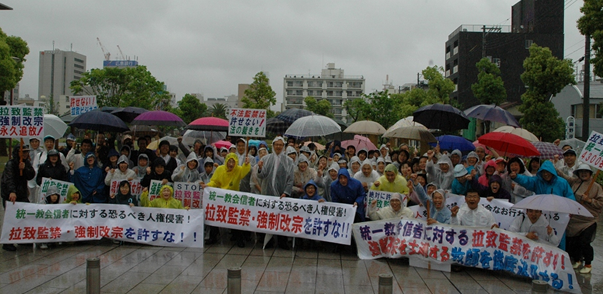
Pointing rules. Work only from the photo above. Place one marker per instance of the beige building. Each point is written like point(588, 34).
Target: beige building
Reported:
point(57, 69)
point(241, 94)
point(331, 85)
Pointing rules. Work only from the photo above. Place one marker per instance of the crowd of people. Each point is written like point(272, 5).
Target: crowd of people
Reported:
point(288, 168)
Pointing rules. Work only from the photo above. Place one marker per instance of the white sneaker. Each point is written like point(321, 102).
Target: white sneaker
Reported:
point(577, 264)
point(586, 270)
point(43, 246)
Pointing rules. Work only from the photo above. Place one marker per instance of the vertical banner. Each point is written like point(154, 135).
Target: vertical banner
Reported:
point(62, 186)
point(189, 194)
point(82, 104)
point(154, 189)
point(21, 122)
point(135, 187)
point(382, 198)
point(247, 122)
point(592, 153)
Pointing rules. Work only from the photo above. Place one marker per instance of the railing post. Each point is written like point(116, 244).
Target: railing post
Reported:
point(234, 280)
point(385, 284)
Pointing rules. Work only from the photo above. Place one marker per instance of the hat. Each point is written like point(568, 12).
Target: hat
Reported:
point(241, 140)
point(500, 159)
point(70, 137)
point(460, 171)
point(223, 149)
point(53, 152)
point(48, 137)
point(569, 152)
point(472, 154)
point(279, 138)
point(232, 146)
point(25, 147)
point(34, 138)
point(582, 166)
point(126, 137)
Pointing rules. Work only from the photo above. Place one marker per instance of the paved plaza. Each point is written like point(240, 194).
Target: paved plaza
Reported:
point(132, 268)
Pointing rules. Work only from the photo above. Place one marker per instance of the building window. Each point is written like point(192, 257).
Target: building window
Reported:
point(529, 43)
point(78, 66)
point(289, 84)
point(78, 60)
point(576, 111)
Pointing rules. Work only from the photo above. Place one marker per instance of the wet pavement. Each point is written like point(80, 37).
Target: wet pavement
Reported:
point(133, 268)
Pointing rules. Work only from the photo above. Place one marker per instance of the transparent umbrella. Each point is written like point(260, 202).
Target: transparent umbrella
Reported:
point(313, 126)
point(207, 137)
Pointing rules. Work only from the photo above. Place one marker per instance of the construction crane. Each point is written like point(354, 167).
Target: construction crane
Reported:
point(122, 54)
point(106, 53)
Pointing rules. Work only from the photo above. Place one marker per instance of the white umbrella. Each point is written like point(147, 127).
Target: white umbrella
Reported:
point(406, 122)
point(207, 137)
point(419, 133)
point(553, 203)
point(365, 127)
point(519, 132)
point(54, 126)
point(313, 126)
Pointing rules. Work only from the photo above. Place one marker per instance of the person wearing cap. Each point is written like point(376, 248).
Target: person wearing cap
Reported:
point(367, 176)
point(164, 153)
point(52, 168)
point(535, 227)
point(441, 173)
point(70, 142)
point(79, 159)
point(391, 181)
point(438, 212)
point(471, 213)
point(395, 209)
point(158, 172)
point(89, 180)
point(275, 172)
point(302, 175)
point(581, 229)
point(42, 156)
point(241, 152)
point(121, 173)
point(460, 185)
point(568, 164)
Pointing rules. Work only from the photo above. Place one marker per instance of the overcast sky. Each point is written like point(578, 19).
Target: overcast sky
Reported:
point(211, 46)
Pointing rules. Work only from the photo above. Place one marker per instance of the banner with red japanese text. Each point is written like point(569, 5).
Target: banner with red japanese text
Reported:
point(327, 221)
point(484, 248)
point(62, 187)
point(135, 187)
point(382, 199)
point(503, 211)
point(592, 153)
point(21, 121)
point(244, 122)
point(82, 104)
point(43, 223)
point(189, 194)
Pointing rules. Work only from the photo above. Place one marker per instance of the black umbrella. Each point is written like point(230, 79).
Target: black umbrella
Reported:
point(128, 114)
point(492, 113)
point(276, 126)
point(291, 115)
point(99, 121)
point(441, 116)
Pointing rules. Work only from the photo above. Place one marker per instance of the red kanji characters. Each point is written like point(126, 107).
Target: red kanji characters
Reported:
point(244, 217)
point(503, 242)
point(491, 239)
point(478, 238)
point(262, 220)
point(43, 233)
point(233, 215)
point(296, 227)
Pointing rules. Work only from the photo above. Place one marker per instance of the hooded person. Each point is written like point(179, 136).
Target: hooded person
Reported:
point(302, 175)
point(380, 166)
point(354, 165)
point(455, 157)
point(438, 212)
point(52, 168)
point(367, 176)
point(210, 153)
point(363, 154)
point(143, 164)
point(111, 160)
point(348, 190)
point(127, 151)
point(311, 192)
point(517, 191)
point(328, 178)
point(395, 210)
point(229, 175)
point(489, 170)
point(187, 172)
point(89, 180)
point(292, 153)
point(121, 173)
point(494, 190)
point(158, 172)
point(442, 173)
point(165, 199)
point(124, 195)
point(208, 171)
point(391, 181)
point(73, 195)
point(383, 153)
point(472, 160)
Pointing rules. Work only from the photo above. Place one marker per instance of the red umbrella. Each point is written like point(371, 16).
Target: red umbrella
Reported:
point(359, 142)
point(209, 124)
point(509, 143)
point(221, 144)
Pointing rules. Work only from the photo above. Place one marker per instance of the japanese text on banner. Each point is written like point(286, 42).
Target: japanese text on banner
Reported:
point(27, 223)
point(327, 221)
point(244, 122)
point(154, 189)
point(21, 121)
point(63, 188)
point(82, 104)
point(592, 153)
point(189, 194)
point(494, 249)
point(135, 187)
point(382, 198)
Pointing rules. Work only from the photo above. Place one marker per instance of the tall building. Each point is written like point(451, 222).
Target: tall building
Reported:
point(532, 21)
point(231, 101)
point(331, 85)
point(57, 69)
point(241, 93)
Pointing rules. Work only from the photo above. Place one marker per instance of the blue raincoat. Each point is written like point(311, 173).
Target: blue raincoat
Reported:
point(350, 193)
point(316, 197)
point(89, 179)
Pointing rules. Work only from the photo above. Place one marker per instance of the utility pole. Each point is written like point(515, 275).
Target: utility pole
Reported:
point(586, 99)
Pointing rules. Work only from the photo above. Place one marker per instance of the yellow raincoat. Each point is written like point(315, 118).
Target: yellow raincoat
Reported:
point(229, 180)
point(72, 189)
point(160, 202)
point(399, 185)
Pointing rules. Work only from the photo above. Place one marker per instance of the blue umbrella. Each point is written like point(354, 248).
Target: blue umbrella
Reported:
point(99, 121)
point(492, 113)
point(448, 142)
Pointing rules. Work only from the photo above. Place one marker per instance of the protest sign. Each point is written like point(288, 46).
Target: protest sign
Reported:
point(592, 153)
point(82, 104)
point(189, 194)
point(244, 122)
point(135, 187)
point(327, 221)
point(491, 249)
point(154, 189)
point(21, 121)
point(43, 223)
point(382, 198)
point(62, 186)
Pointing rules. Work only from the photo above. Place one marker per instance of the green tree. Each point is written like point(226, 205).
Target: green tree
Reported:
point(51, 106)
point(378, 106)
point(218, 110)
point(190, 108)
point(322, 107)
point(591, 24)
point(12, 56)
point(438, 91)
point(121, 87)
point(544, 76)
point(489, 88)
point(259, 95)
point(355, 108)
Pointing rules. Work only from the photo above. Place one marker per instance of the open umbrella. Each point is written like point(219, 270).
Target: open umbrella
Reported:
point(365, 127)
point(155, 144)
point(406, 122)
point(97, 120)
point(553, 203)
point(448, 142)
point(276, 126)
point(576, 144)
point(158, 118)
point(478, 144)
point(313, 126)
point(509, 143)
point(491, 112)
point(222, 143)
point(359, 142)
point(141, 130)
point(207, 137)
point(519, 132)
point(441, 116)
point(318, 145)
point(291, 115)
point(128, 114)
point(548, 150)
point(54, 126)
point(209, 124)
point(411, 133)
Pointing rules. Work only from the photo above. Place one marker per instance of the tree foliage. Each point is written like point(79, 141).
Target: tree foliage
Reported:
point(489, 88)
point(259, 95)
point(218, 110)
point(544, 75)
point(12, 56)
point(190, 108)
point(322, 107)
point(591, 24)
point(121, 87)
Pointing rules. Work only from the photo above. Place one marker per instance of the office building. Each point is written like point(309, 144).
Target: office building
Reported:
point(57, 69)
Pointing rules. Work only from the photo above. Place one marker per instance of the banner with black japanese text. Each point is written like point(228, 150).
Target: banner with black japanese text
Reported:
point(327, 221)
point(490, 249)
point(44, 223)
point(382, 198)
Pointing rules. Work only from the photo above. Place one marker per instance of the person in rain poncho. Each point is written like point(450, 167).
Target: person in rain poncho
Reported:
point(535, 227)
point(158, 172)
point(348, 190)
point(394, 210)
point(383, 153)
point(328, 178)
point(517, 191)
point(367, 176)
point(455, 157)
point(73, 195)
point(472, 214)
point(254, 182)
point(489, 170)
point(89, 180)
point(143, 165)
point(187, 172)
point(208, 171)
point(228, 176)
point(441, 174)
point(391, 181)
point(121, 173)
point(472, 160)
point(292, 153)
point(461, 184)
point(354, 165)
point(380, 166)
point(52, 168)
point(363, 154)
point(302, 175)
point(241, 152)
point(165, 199)
point(123, 195)
point(209, 153)
point(494, 190)
point(126, 151)
point(311, 192)
point(438, 212)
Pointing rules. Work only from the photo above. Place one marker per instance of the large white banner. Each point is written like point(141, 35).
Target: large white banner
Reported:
point(44, 223)
point(327, 221)
point(484, 248)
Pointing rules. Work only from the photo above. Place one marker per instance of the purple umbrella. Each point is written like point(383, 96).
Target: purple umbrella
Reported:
point(158, 117)
point(492, 113)
point(548, 150)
